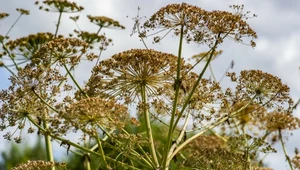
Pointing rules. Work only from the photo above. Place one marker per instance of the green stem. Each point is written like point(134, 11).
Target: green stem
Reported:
point(101, 150)
point(148, 124)
point(212, 72)
point(176, 85)
point(180, 137)
point(58, 23)
point(284, 150)
point(77, 85)
point(49, 150)
point(195, 85)
point(13, 25)
point(246, 152)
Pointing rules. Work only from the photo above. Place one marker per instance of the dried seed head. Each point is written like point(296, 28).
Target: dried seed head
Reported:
point(23, 11)
point(60, 6)
point(3, 15)
point(27, 46)
point(39, 164)
point(199, 26)
point(105, 22)
point(62, 50)
point(123, 74)
point(90, 113)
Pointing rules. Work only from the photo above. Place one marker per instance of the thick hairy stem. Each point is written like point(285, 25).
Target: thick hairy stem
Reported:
point(176, 85)
point(148, 124)
point(284, 150)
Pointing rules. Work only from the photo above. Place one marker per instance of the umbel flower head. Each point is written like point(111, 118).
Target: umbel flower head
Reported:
point(266, 88)
point(63, 51)
point(105, 22)
point(123, 75)
point(275, 121)
point(198, 25)
point(90, 113)
point(3, 15)
point(27, 46)
point(20, 99)
point(60, 6)
point(93, 38)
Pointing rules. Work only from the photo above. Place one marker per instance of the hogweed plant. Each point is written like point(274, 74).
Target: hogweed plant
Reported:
point(142, 108)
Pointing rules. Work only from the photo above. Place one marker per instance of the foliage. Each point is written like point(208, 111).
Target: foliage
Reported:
point(142, 108)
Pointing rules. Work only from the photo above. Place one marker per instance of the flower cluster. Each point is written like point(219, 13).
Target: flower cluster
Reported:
point(39, 164)
point(268, 90)
point(23, 11)
point(92, 38)
point(27, 46)
point(31, 87)
point(198, 25)
point(92, 113)
point(105, 22)
point(3, 15)
point(64, 51)
point(123, 74)
point(60, 6)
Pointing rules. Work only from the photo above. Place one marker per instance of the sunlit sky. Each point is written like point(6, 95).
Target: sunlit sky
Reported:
point(277, 51)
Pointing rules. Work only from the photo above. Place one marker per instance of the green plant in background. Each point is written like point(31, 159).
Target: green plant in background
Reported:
point(142, 108)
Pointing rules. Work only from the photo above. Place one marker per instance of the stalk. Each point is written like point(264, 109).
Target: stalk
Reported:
point(195, 85)
point(49, 150)
point(284, 150)
point(176, 85)
point(148, 124)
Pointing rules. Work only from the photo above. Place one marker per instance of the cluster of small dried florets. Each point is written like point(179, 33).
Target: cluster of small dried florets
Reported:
point(123, 74)
point(210, 151)
point(27, 46)
point(64, 51)
point(25, 96)
point(39, 165)
point(105, 22)
point(3, 15)
point(92, 38)
point(199, 26)
point(60, 6)
point(93, 113)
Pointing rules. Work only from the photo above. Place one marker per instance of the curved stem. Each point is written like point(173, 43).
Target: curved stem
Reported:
point(176, 86)
point(284, 150)
point(148, 124)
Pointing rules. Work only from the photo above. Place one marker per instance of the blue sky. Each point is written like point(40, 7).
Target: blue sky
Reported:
point(277, 50)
